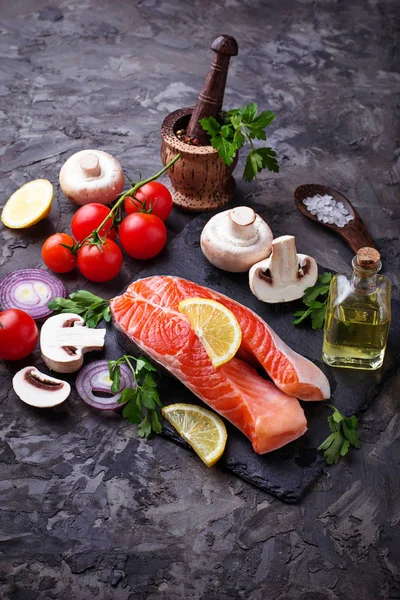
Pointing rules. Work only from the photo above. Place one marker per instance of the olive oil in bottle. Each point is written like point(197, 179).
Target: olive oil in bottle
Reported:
point(358, 315)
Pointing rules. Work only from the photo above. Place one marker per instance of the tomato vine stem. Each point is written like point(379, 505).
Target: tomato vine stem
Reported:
point(95, 235)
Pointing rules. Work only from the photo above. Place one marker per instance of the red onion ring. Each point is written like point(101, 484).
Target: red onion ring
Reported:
point(35, 288)
point(93, 378)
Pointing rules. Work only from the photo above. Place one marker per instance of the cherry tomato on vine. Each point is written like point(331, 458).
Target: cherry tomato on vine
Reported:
point(142, 235)
point(18, 334)
point(152, 197)
point(55, 256)
point(89, 217)
point(100, 262)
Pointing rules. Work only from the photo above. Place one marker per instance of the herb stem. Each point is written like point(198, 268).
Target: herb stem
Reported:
point(246, 134)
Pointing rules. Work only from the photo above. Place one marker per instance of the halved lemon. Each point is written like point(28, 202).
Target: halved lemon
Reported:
point(199, 427)
point(215, 325)
point(28, 205)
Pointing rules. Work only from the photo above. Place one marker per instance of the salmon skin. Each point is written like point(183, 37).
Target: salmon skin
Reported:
point(270, 417)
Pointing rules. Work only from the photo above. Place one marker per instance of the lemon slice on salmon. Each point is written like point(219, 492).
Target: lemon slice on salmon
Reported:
point(215, 325)
point(202, 429)
point(28, 205)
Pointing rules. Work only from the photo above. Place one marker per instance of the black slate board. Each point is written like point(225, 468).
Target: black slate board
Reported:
point(288, 472)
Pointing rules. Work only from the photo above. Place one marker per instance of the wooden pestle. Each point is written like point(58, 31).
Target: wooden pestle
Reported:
point(209, 102)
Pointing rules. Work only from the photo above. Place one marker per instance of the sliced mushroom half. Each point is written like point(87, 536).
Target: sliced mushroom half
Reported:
point(40, 390)
point(285, 275)
point(64, 339)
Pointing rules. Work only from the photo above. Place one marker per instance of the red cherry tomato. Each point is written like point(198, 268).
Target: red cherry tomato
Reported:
point(100, 263)
point(142, 235)
point(89, 217)
point(18, 334)
point(154, 197)
point(55, 256)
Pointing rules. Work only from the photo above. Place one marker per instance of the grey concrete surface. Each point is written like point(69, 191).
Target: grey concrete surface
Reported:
point(86, 509)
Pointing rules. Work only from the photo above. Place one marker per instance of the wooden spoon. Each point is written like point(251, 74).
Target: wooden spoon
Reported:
point(355, 233)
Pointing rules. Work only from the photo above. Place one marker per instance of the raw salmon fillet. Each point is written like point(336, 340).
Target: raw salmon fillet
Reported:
point(270, 417)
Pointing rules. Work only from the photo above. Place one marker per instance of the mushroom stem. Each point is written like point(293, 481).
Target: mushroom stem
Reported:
point(284, 262)
point(241, 221)
point(90, 165)
point(285, 275)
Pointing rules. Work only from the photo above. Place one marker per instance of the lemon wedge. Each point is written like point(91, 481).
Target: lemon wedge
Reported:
point(28, 205)
point(203, 430)
point(215, 325)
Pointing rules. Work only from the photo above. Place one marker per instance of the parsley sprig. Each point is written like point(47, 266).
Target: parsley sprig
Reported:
point(236, 127)
point(343, 435)
point(316, 309)
point(90, 307)
point(143, 400)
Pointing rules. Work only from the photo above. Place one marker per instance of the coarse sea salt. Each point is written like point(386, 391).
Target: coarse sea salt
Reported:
point(327, 210)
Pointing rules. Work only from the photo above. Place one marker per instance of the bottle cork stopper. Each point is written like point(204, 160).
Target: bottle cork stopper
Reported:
point(368, 258)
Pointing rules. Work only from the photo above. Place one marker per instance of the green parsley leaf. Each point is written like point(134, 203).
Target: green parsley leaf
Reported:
point(64, 305)
point(89, 306)
point(301, 314)
point(226, 131)
point(84, 298)
point(114, 371)
point(325, 277)
point(226, 149)
point(239, 125)
point(313, 292)
point(333, 424)
point(343, 436)
point(351, 422)
point(238, 139)
point(155, 422)
point(332, 453)
point(268, 157)
point(210, 125)
point(131, 411)
point(143, 399)
point(318, 316)
point(328, 442)
point(145, 364)
point(351, 435)
point(248, 112)
point(144, 427)
point(256, 133)
point(316, 309)
point(264, 119)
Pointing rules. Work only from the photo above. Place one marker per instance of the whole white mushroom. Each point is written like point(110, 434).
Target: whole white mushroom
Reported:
point(235, 239)
point(91, 176)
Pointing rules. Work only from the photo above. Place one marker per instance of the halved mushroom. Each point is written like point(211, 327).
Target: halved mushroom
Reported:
point(235, 239)
point(284, 275)
point(40, 390)
point(91, 176)
point(65, 338)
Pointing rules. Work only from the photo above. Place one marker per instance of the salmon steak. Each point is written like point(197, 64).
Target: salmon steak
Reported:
point(268, 413)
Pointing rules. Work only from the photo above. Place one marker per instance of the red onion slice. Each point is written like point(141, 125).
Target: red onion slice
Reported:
point(95, 378)
point(30, 290)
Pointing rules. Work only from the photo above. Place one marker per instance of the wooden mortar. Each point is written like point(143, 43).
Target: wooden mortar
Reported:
point(201, 181)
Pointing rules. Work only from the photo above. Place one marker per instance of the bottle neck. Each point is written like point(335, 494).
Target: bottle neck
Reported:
point(364, 280)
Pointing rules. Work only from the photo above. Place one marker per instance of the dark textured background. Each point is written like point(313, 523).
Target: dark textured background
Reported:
point(87, 510)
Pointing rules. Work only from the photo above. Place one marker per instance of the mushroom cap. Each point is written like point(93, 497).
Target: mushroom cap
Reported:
point(235, 239)
point(91, 176)
point(30, 386)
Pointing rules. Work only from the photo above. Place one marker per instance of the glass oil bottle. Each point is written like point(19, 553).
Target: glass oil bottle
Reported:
point(358, 315)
